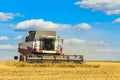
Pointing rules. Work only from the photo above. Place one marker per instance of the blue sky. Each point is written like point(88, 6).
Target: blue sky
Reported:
point(89, 27)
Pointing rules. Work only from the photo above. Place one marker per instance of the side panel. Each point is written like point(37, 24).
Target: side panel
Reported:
point(26, 47)
point(58, 47)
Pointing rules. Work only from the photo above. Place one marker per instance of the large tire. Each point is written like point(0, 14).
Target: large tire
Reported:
point(21, 58)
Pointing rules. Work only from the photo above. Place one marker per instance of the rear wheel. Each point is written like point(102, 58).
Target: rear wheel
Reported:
point(15, 57)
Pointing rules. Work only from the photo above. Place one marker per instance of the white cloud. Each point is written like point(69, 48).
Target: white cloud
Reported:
point(107, 6)
point(99, 43)
point(4, 38)
point(107, 50)
point(18, 37)
point(86, 42)
point(41, 24)
point(116, 20)
point(7, 16)
point(7, 47)
point(75, 41)
point(83, 26)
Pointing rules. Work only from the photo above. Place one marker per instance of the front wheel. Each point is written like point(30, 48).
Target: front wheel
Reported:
point(23, 58)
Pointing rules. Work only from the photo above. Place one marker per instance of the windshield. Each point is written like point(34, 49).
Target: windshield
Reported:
point(47, 44)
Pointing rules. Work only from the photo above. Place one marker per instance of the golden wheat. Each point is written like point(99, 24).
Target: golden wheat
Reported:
point(11, 70)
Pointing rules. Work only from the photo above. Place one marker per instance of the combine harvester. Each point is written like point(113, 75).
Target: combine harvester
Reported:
point(43, 46)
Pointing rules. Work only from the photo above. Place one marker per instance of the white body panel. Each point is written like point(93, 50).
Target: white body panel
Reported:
point(58, 45)
point(44, 51)
point(36, 44)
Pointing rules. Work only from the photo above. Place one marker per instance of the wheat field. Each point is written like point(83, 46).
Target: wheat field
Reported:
point(12, 70)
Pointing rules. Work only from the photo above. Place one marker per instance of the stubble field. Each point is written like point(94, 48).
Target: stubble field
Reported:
point(11, 70)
